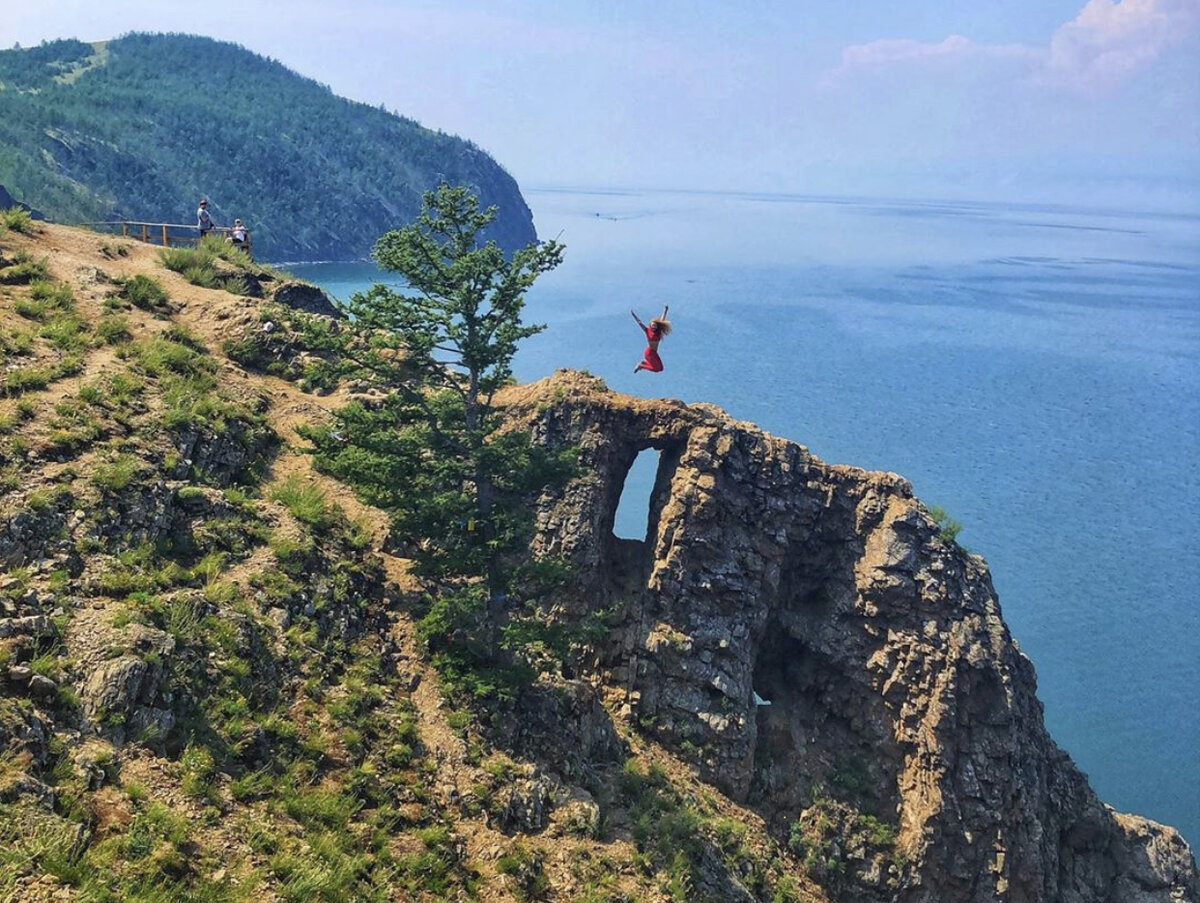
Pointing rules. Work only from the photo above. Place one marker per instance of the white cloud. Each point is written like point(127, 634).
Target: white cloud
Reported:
point(888, 52)
point(1106, 42)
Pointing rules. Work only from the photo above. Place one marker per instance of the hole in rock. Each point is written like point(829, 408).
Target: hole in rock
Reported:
point(632, 520)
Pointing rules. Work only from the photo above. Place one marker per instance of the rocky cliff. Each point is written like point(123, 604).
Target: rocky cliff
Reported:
point(211, 687)
point(823, 653)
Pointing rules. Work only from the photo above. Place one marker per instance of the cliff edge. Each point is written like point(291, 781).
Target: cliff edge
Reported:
point(213, 687)
point(806, 635)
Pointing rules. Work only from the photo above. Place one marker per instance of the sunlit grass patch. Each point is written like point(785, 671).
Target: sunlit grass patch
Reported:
point(44, 298)
point(17, 219)
point(146, 293)
point(305, 501)
point(23, 270)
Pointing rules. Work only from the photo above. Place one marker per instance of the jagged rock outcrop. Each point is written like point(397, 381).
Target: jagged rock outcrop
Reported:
point(306, 298)
point(893, 682)
point(124, 696)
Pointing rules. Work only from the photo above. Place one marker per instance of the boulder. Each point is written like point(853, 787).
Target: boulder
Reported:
point(123, 696)
point(307, 298)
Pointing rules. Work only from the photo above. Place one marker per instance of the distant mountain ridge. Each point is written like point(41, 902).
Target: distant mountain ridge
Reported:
point(142, 126)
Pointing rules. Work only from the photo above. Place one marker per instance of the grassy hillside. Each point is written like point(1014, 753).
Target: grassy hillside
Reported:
point(142, 126)
point(211, 687)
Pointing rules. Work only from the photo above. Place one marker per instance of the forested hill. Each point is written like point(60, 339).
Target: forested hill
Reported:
point(143, 126)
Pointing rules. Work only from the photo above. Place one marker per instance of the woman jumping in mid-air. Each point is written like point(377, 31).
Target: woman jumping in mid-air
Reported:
point(658, 328)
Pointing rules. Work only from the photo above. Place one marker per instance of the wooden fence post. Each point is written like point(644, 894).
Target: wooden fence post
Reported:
point(165, 241)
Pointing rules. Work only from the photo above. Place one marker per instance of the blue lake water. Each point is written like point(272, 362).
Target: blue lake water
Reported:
point(1033, 370)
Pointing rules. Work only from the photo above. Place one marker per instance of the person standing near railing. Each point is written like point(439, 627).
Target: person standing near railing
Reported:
point(204, 221)
point(237, 235)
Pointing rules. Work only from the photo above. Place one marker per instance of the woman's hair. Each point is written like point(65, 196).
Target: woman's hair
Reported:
point(661, 326)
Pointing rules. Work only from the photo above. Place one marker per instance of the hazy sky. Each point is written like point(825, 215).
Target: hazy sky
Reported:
point(1060, 99)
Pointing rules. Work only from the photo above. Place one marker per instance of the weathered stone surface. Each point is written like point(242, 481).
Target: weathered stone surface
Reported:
point(95, 761)
point(578, 814)
point(565, 727)
point(223, 457)
point(31, 626)
point(828, 592)
point(28, 533)
point(123, 696)
point(24, 733)
point(307, 298)
point(42, 688)
point(524, 805)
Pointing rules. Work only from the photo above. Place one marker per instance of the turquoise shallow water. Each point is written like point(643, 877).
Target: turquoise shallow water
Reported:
point(1034, 370)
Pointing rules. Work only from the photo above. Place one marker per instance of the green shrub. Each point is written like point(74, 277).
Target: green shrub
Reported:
point(851, 780)
point(66, 332)
point(48, 664)
point(34, 840)
point(29, 309)
point(23, 270)
point(254, 785)
point(146, 293)
point(175, 259)
point(314, 807)
point(787, 890)
point(30, 379)
point(249, 352)
point(199, 265)
point(123, 387)
point(73, 427)
point(116, 474)
point(948, 527)
point(17, 219)
point(320, 376)
point(91, 394)
point(202, 275)
point(199, 769)
point(227, 252)
point(527, 869)
point(192, 402)
point(162, 355)
point(44, 298)
point(193, 264)
point(16, 344)
point(305, 501)
point(113, 330)
point(879, 833)
point(27, 379)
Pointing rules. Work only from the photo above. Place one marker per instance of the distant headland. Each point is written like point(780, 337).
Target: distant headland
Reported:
point(143, 126)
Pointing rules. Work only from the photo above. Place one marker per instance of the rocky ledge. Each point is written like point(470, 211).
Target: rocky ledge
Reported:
point(808, 637)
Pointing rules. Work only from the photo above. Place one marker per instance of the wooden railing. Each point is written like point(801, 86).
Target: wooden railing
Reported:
point(165, 234)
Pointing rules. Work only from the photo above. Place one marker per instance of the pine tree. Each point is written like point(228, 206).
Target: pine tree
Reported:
point(430, 451)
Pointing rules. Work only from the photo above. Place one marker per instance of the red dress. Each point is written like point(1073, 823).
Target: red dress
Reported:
point(651, 360)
